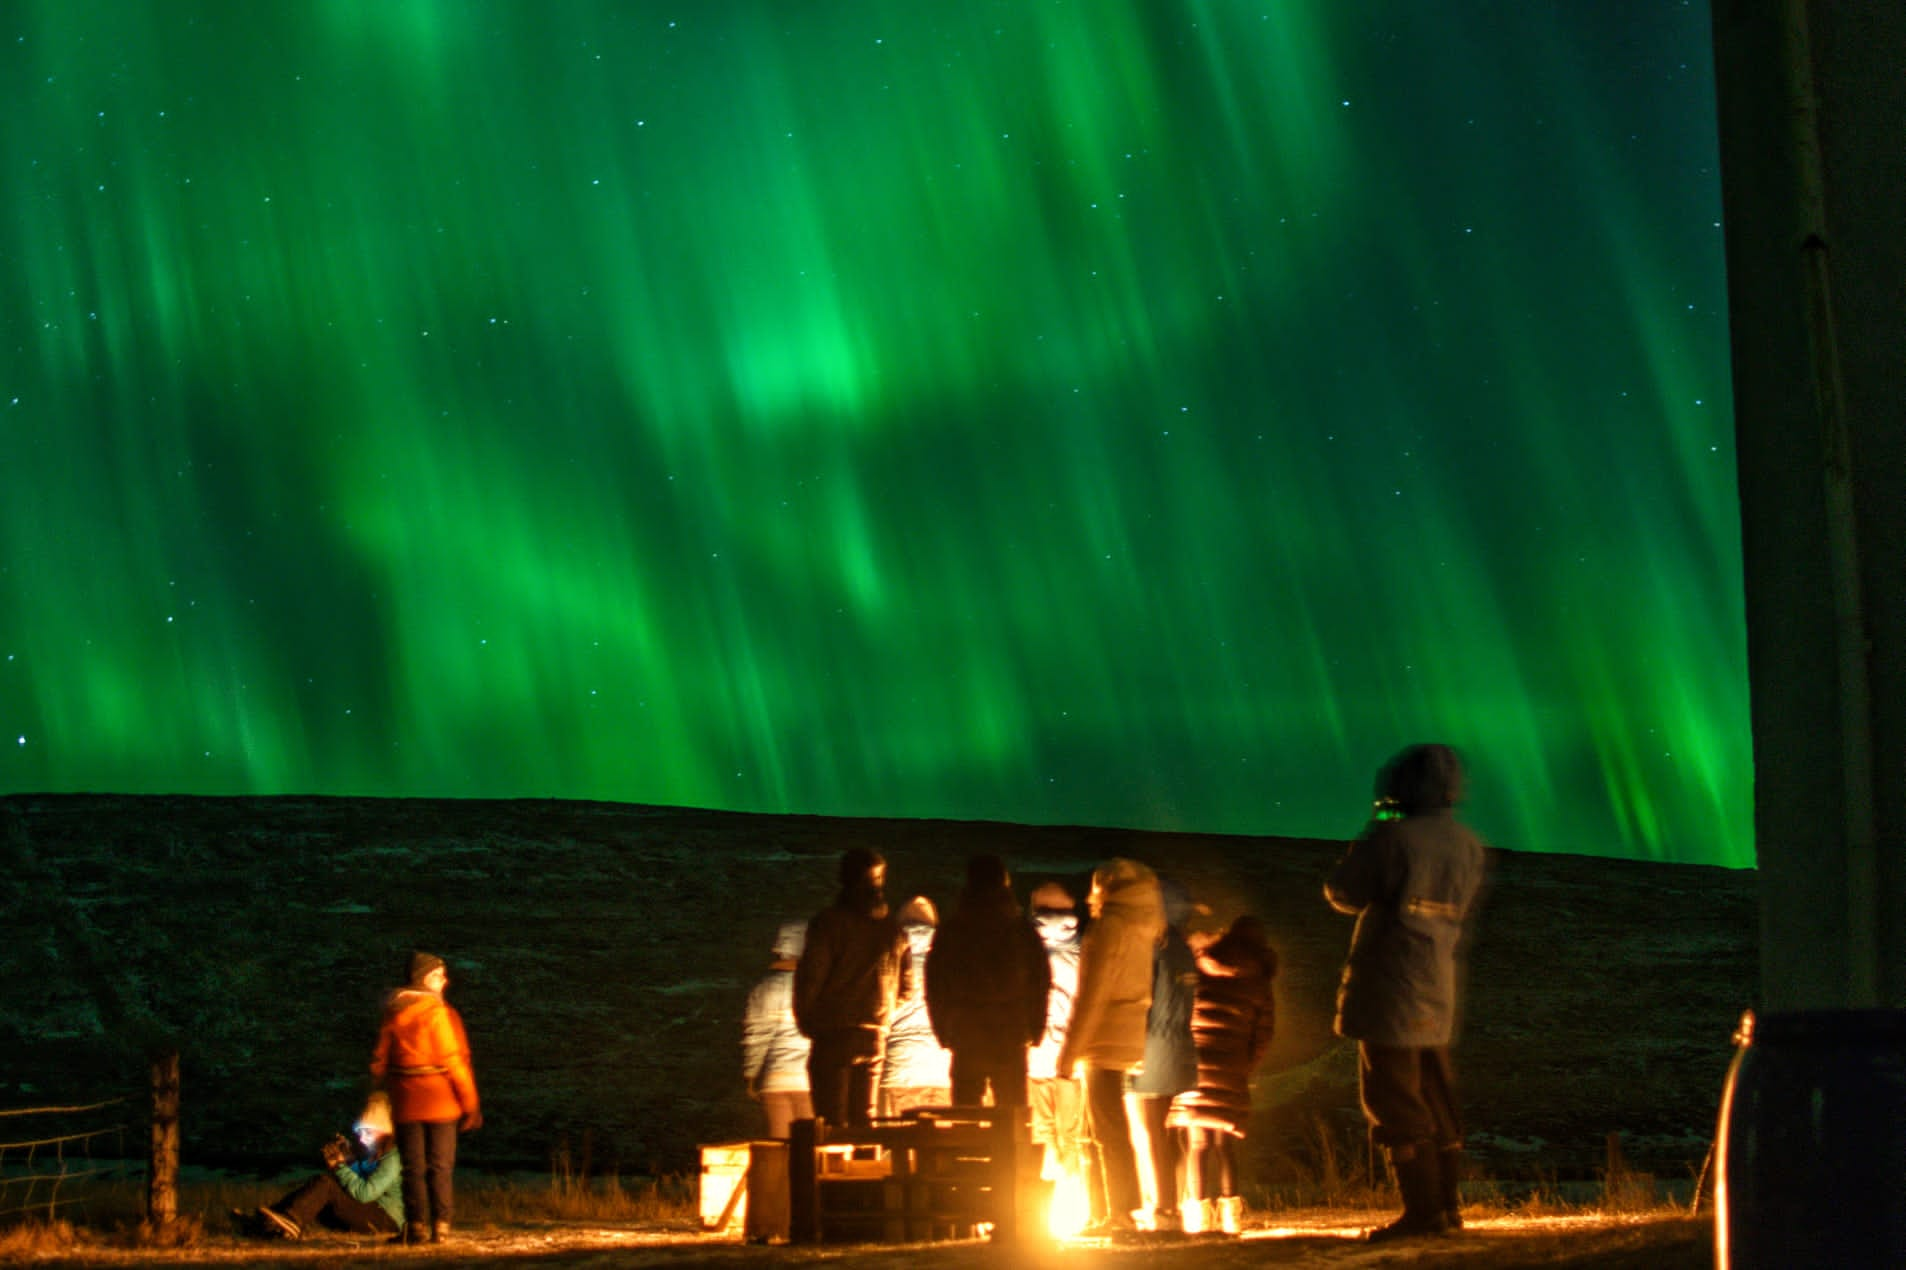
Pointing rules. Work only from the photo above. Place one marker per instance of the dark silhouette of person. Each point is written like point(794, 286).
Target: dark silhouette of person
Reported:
point(987, 982)
point(1413, 878)
point(845, 988)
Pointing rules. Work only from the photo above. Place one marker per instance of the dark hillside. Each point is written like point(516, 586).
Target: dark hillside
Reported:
point(601, 954)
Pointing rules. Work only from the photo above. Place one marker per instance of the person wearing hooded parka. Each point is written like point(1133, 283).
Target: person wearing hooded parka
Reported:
point(1413, 879)
point(1106, 1037)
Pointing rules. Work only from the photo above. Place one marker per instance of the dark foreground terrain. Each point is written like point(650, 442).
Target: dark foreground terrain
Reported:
point(1661, 1242)
point(602, 953)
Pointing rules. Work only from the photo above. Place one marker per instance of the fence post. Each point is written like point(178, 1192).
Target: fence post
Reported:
point(162, 1174)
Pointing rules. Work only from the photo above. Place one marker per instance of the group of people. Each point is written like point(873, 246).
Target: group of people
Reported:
point(392, 1176)
point(1128, 1036)
point(1114, 1027)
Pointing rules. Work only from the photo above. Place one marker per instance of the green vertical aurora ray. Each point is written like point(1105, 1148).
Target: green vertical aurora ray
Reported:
point(1138, 414)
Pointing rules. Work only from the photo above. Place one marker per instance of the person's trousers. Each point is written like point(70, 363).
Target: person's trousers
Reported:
point(1409, 1095)
point(428, 1153)
point(1111, 1136)
point(972, 1073)
point(1161, 1143)
point(783, 1107)
point(1211, 1165)
point(324, 1200)
point(1058, 1122)
point(843, 1076)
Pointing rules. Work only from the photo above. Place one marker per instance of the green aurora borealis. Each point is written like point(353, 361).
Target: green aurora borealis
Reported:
point(1059, 411)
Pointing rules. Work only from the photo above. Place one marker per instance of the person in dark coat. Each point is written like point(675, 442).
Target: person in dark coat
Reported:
point(1232, 1023)
point(987, 982)
point(1106, 1037)
point(1413, 880)
point(1170, 1065)
point(845, 988)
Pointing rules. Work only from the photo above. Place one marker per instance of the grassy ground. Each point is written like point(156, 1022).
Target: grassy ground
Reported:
point(566, 1220)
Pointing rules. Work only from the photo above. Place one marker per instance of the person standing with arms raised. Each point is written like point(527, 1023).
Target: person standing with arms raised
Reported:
point(1413, 880)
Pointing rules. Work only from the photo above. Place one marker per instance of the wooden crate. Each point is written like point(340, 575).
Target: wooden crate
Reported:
point(744, 1190)
point(949, 1173)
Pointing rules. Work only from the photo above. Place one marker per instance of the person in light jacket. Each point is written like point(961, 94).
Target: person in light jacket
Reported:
point(1106, 1038)
point(773, 1051)
point(423, 1061)
point(1413, 880)
point(918, 1070)
point(1058, 1104)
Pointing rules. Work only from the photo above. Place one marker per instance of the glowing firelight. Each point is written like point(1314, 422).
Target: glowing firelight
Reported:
point(1070, 1206)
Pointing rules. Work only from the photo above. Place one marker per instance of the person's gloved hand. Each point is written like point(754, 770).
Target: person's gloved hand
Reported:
point(471, 1121)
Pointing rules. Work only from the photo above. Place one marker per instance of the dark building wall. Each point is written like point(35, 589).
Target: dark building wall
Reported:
point(1813, 155)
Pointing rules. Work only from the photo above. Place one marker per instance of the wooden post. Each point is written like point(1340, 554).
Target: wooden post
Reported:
point(804, 1183)
point(162, 1175)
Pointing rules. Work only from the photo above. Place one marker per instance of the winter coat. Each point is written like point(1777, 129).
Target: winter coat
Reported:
point(375, 1181)
point(1059, 931)
point(1231, 1024)
point(1170, 1065)
point(423, 1059)
point(1413, 884)
point(915, 1057)
point(773, 1051)
point(1115, 970)
point(848, 978)
point(987, 980)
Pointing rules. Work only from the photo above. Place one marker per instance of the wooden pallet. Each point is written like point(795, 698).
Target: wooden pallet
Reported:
point(936, 1173)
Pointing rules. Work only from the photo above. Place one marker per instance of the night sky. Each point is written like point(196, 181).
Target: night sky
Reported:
point(1056, 411)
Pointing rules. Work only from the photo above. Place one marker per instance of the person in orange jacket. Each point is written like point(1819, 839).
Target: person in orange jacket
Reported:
point(423, 1060)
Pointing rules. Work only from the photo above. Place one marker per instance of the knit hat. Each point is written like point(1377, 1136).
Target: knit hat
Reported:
point(421, 964)
point(1053, 897)
point(790, 940)
point(919, 911)
point(376, 1115)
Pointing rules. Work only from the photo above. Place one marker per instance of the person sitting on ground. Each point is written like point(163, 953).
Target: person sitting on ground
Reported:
point(360, 1193)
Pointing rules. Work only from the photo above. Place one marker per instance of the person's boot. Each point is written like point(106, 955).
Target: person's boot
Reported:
point(1231, 1214)
point(439, 1232)
point(1415, 1165)
point(414, 1232)
point(1449, 1177)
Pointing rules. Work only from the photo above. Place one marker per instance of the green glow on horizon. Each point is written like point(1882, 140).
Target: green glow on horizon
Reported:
point(1146, 414)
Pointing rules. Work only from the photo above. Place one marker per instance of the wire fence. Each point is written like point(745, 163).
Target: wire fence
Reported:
point(50, 1155)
